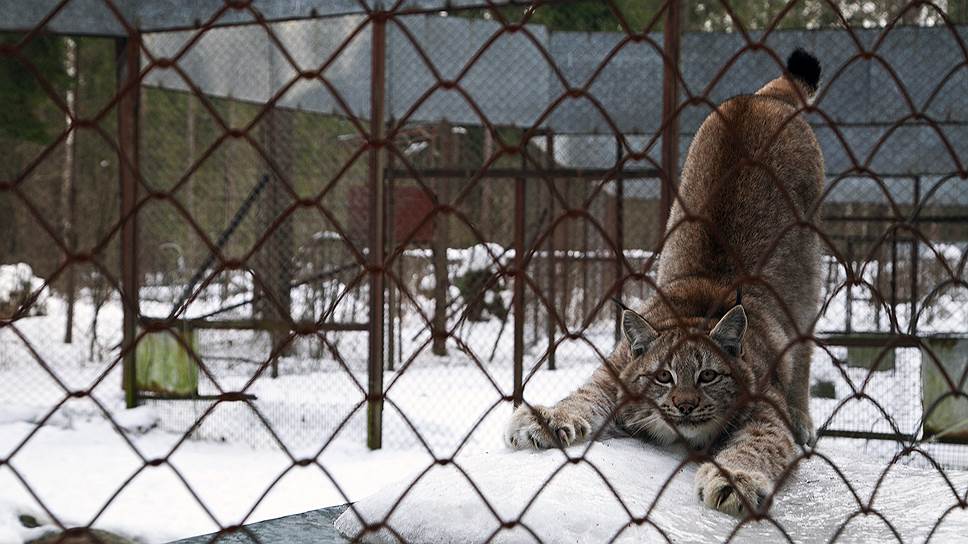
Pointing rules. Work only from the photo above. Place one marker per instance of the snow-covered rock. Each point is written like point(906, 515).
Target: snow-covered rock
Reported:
point(33, 414)
point(137, 420)
point(575, 504)
point(17, 284)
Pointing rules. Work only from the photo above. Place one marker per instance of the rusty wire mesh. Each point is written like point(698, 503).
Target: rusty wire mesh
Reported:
point(523, 178)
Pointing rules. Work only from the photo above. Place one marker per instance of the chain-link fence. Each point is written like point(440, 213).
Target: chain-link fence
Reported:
point(303, 228)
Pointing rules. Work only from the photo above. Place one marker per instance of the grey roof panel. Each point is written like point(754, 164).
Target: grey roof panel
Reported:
point(94, 17)
point(501, 74)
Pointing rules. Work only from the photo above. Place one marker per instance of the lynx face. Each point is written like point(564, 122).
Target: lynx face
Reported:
point(681, 381)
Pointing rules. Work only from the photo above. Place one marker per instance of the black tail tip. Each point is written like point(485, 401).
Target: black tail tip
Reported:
point(805, 67)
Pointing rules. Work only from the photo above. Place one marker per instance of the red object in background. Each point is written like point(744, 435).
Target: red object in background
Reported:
point(411, 205)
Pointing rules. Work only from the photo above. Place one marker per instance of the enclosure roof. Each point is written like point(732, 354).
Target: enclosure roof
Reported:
point(116, 17)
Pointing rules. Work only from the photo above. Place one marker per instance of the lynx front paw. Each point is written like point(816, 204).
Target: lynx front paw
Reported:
point(540, 427)
point(718, 492)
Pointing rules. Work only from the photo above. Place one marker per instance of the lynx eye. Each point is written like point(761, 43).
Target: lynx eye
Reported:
point(708, 376)
point(663, 376)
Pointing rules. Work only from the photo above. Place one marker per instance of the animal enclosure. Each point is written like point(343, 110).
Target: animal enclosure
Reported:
point(294, 225)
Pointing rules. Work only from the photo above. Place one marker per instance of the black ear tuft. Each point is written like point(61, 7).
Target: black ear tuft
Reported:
point(805, 67)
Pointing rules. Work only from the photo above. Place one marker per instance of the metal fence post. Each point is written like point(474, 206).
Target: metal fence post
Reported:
point(619, 235)
point(374, 407)
point(518, 304)
point(551, 262)
point(390, 229)
point(915, 258)
point(128, 66)
point(671, 33)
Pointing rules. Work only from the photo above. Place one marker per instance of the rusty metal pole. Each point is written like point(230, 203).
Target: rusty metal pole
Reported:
point(915, 260)
point(128, 65)
point(849, 297)
point(391, 243)
point(894, 328)
point(551, 263)
point(619, 235)
point(518, 304)
point(671, 35)
point(374, 406)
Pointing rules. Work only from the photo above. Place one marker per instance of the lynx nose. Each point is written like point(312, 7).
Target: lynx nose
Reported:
point(686, 407)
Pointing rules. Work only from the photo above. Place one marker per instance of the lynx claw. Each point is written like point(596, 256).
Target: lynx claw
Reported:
point(540, 427)
point(746, 490)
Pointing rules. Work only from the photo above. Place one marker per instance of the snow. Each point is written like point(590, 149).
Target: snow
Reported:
point(75, 460)
point(575, 504)
point(77, 471)
point(12, 530)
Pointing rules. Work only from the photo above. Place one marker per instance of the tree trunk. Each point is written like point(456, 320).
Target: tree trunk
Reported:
point(228, 188)
point(190, 156)
point(487, 148)
point(274, 261)
point(68, 188)
point(441, 242)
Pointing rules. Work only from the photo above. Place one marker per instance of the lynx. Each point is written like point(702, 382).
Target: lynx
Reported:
point(698, 365)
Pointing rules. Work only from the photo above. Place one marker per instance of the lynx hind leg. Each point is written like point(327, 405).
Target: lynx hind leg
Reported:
point(803, 430)
point(540, 427)
point(798, 397)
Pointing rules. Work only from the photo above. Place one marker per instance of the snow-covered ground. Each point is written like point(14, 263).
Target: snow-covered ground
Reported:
point(618, 481)
point(84, 470)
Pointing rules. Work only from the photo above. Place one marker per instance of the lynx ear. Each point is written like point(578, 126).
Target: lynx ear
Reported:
point(638, 332)
point(728, 333)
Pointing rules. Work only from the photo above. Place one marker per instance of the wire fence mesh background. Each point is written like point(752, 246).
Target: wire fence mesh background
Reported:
point(505, 142)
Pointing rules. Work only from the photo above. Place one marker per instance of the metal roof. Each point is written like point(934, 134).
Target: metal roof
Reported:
point(112, 17)
point(521, 79)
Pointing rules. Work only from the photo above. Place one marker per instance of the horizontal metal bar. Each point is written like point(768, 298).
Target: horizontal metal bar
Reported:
point(511, 173)
point(927, 439)
point(867, 435)
point(946, 439)
point(870, 340)
point(235, 397)
point(883, 219)
point(249, 324)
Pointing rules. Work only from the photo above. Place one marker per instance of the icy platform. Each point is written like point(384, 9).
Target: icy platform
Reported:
point(826, 498)
point(314, 527)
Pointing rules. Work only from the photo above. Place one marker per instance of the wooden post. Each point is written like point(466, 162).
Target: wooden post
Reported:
point(128, 65)
point(374, 408)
